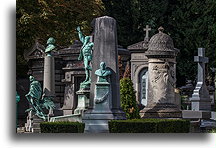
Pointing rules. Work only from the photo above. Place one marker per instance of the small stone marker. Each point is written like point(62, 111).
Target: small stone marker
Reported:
point(200, 99)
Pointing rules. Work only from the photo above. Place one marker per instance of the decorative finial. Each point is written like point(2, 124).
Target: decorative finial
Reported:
point(160, 29)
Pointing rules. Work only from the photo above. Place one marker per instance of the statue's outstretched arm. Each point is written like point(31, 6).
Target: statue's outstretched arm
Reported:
point(81, 36)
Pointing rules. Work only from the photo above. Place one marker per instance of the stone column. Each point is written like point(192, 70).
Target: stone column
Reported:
point(162, 78)
point(49, 76)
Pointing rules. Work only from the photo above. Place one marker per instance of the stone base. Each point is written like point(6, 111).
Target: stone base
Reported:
point(213, 115)
point(58, 112)
point(200, 104)
point(119, 114)
point(161, 111)
point(20, 130)
point(189, 114)
point(83, 101)
point(67, 112)
point(97, 123)
point(70, 118)
point(33, 125)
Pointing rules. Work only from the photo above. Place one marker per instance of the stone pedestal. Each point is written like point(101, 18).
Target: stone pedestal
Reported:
point(36, 124)
point(162, 78)
point(33, 123)
point(28, 124)
point(97, 120)
point(83, 101)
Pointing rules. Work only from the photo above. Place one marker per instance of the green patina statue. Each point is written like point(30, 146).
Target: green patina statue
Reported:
point(37, 103)
point(102, 90)
point(17, 100)
point(103, 73)
point(86, 56)
point(50, 46)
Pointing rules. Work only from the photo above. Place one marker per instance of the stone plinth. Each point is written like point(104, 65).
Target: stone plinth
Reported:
point(33, 124)
point(189, 114)
point(162, 78)
point(83, 101)
point(213, 115)
point(97, 120)
point(49, 76)
point(28, 124)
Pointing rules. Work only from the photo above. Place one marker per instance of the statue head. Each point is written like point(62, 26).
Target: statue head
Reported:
point(102, 66)
point(31, 78)
point(87, 39)
point(51, 40)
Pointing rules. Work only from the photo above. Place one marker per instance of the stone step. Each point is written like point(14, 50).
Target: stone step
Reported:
point(36, 125)
point(20, 130)
point(36, 130)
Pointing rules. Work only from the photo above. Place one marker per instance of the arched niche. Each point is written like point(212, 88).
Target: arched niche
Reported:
point(143, 86)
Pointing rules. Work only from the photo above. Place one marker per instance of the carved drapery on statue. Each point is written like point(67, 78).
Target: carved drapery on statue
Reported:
point(37, 103)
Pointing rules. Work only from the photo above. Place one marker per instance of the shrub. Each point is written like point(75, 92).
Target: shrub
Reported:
point(128, 99)
point(149, 126)
point(62, 127)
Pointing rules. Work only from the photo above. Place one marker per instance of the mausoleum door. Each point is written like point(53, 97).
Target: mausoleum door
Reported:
point(143, 86)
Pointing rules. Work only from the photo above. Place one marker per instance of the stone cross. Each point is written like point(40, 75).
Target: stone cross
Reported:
point(201, 60)
point(200, 99)
point(147, 29)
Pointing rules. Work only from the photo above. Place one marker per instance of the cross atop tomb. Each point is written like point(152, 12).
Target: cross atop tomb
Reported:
point(147, 29)
point(201, 60)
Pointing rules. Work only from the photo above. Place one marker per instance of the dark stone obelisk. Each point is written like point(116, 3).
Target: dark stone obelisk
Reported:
point(105, 50)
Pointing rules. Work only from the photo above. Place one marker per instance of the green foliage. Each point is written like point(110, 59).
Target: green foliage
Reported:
point(191, 24)
point(41, 19)
point(149, 126)
point(62, 127)
point(128, 99)
point(213, 130)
